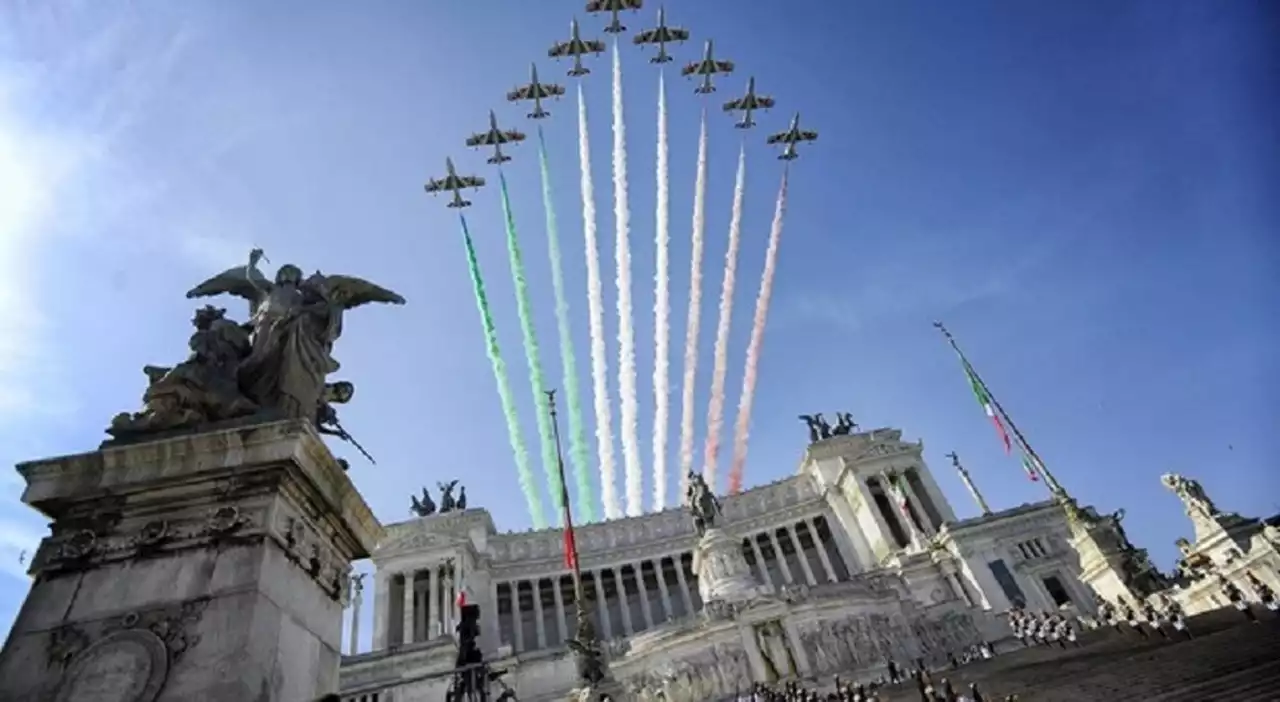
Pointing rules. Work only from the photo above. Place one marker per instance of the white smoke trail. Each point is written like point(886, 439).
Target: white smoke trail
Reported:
point(715, 409)
point(695, 310)
point(661, 311)
point(595, 317)
point(742, 430)
point(626, 325)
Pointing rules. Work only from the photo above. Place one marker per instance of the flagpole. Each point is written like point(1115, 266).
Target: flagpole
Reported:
point(564, 499)
point(1055, 487)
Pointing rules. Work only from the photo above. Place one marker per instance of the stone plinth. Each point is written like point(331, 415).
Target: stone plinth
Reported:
point(722, 570)
point(209, 567)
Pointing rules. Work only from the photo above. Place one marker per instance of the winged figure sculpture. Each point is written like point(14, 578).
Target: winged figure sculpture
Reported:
point(294, 323)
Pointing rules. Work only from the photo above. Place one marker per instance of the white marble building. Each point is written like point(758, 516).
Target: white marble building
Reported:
point(830, 551)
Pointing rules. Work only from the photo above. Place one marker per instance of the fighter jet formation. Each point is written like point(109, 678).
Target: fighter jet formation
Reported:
point(707, 68)
point(537, 92)
point(495, 137)
point(575, 47)
point(661, 35)
point(454, 183)
point(792, 136)
point(747, 104)
point(613, 7)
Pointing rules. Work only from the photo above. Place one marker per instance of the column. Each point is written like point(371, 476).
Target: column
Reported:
point(621, 584)
point(517, 618)
point(812, 525)
point(433, 587)
point(782, 558)
point(760, 564)
point(918, 506)
point(357, 597)
point(684, 585)
point(602, 607)
point(644, 594)
point(381, 609)
point(804, 560)
point(408, 606)
point(556, 584)
point(539, 620)
point(880, 516)
point(662, 590)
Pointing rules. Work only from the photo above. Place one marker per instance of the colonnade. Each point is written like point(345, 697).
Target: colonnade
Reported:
point(631, 597)
point(421, 603)
point(923, 518)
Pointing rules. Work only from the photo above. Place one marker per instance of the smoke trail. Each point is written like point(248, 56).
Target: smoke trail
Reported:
point(742, 430)
point(661, 311)
point(595, 317)
point(568, 359)
point(626, 326)
point(715, 411)
point(523, 472)
point(695, 310)
point(537, 381)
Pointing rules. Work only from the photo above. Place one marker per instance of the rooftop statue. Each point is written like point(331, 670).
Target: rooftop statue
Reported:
point(1191, 493)
point(274, 365)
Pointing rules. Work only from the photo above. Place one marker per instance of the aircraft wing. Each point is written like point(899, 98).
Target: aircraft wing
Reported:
point(470, 181)
point(648, 36)
point(738, 104)
point(513, 135)
point(524, 92)
point(560, 50)
point(435, 186)
point(763, 101)
point(552, 90)
point(808, 136)
point(778, 138)
point(724, 66)
point(691, 68)
point(677, 34)
point(595, 46)
point(597, 6)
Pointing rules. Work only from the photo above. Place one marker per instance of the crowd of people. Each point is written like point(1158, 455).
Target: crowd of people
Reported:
point(941, 691)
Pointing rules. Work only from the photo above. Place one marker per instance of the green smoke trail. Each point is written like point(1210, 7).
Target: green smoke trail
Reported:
point(578, 450)
point(523, 472)
point(537, 381)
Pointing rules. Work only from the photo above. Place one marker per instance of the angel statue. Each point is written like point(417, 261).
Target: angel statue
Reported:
point(294, 324)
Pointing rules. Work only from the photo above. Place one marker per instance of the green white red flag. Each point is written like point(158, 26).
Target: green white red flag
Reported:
point(1032, 467)
point(988, 407)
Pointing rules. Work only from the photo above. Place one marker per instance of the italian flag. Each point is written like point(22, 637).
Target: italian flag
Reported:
point(1032, 467)
point(985, 401)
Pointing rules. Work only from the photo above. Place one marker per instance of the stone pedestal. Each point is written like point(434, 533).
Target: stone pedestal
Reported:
point(722, 570)
point(1109, 565)
point(211, 567)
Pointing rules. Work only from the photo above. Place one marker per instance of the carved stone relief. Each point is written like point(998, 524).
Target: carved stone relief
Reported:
point(127, 666)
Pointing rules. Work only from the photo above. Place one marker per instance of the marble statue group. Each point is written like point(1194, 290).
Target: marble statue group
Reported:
point(448, 503)
point(274, 366)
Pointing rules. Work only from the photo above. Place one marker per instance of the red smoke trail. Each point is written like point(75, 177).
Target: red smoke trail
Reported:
point(752, 371)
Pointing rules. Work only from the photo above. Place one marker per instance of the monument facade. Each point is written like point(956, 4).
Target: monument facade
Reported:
point(856, 559)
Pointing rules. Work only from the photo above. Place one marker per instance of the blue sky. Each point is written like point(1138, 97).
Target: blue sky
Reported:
point(1079, 189)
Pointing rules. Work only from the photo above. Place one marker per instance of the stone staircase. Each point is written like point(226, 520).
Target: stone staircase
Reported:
point(1228, 660)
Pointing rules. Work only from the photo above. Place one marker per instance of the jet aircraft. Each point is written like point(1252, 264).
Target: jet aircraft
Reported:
point(706, 68)
point(577, 47)
point(748, 104)
point(454, 183)
point(613, 7)
point(495, 137)
point(537, 92)
point(661, 35)
point(792, 136)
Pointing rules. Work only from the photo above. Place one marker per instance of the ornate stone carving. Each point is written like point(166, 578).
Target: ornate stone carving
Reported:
point(153, 535)
point(224, 521)
point(1192, 494)
point(127, 666)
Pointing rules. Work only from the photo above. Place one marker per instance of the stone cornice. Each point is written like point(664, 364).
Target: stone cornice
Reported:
point(857, 448)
